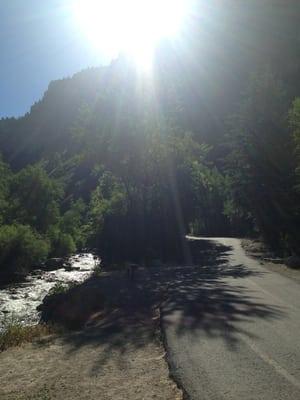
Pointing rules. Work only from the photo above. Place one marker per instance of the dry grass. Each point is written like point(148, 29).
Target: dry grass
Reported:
point(15, 334)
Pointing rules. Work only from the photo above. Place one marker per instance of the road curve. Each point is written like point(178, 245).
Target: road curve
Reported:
point(232, 328)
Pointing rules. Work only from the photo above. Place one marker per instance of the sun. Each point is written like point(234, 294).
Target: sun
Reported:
point(131, 26)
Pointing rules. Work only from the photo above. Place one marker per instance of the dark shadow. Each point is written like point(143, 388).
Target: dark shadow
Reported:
point(202, 297)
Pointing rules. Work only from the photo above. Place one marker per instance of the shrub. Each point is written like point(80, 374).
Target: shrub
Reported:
point(57, 288)
point(21, 247)
point(14, 333)
point(62, 244)
point(61, 288)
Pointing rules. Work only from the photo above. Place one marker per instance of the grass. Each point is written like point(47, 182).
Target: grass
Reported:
point(14, 333)
point(42, 394)
point(62, 287)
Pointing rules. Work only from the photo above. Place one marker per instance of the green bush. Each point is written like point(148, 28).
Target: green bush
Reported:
point(35, 198)
point(72, 223)
point(62, 244)
point(57, 289)
point(61, 288)
point(21, 248)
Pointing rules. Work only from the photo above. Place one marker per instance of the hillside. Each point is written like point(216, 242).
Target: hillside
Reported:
point(128, 164)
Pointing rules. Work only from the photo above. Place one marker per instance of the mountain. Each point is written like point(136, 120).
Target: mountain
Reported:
point(129, 162)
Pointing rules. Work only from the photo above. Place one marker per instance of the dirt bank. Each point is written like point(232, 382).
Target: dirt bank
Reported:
point(256, 249)
point(118, 355)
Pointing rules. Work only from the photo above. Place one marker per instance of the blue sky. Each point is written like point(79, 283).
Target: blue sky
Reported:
point(39, 42)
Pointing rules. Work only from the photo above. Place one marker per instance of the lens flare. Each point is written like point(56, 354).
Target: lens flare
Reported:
point(130, 26)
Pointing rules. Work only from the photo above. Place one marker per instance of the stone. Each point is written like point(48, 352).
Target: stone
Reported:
point(54, 263)
point(37, 272)
point(293, 262)
point(274, 260)
point(69, 267)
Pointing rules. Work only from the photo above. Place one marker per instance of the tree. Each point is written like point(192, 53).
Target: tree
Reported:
point(21, 248)
point(35, 198)
point(5, 180)
point(260, 163)
point(294, 120)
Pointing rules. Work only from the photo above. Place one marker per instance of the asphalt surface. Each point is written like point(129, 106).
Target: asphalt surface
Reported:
point(232, 327)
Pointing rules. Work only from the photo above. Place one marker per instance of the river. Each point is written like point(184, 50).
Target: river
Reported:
point(19, 301)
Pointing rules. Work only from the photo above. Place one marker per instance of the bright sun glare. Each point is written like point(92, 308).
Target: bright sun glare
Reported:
point(130, 26)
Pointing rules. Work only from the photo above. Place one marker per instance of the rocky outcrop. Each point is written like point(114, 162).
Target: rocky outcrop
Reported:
point(73, 308)
point(293, 262)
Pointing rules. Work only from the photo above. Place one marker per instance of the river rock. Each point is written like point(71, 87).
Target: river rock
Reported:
point(70, 267)
point(293, 262)
point(274, 260)
point(54, 263)
point(37, 272)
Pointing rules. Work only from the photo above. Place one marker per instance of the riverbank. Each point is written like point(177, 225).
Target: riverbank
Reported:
point(19, 301)
point(117, 355)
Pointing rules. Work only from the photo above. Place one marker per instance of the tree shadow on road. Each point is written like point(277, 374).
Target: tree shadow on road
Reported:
point(210, 299)
point(199, 298)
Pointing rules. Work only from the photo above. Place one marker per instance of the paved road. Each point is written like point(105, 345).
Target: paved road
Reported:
point(232, 328)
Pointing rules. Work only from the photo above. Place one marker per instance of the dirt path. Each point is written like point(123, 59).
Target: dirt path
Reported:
point(118, 356)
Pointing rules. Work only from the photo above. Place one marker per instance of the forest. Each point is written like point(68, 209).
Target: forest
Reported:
point(209, 145)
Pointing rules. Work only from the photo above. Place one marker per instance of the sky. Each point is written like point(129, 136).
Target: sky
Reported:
point(39, 42)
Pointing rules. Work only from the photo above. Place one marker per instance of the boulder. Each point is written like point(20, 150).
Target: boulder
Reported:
point(67, 263)
point(71, 267)
point(293, 262)
point(54, 263)
point(274, 260)
point(73, 308)
point(37, 272)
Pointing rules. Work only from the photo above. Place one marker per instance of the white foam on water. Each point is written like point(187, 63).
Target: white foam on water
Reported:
point(19, 301)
